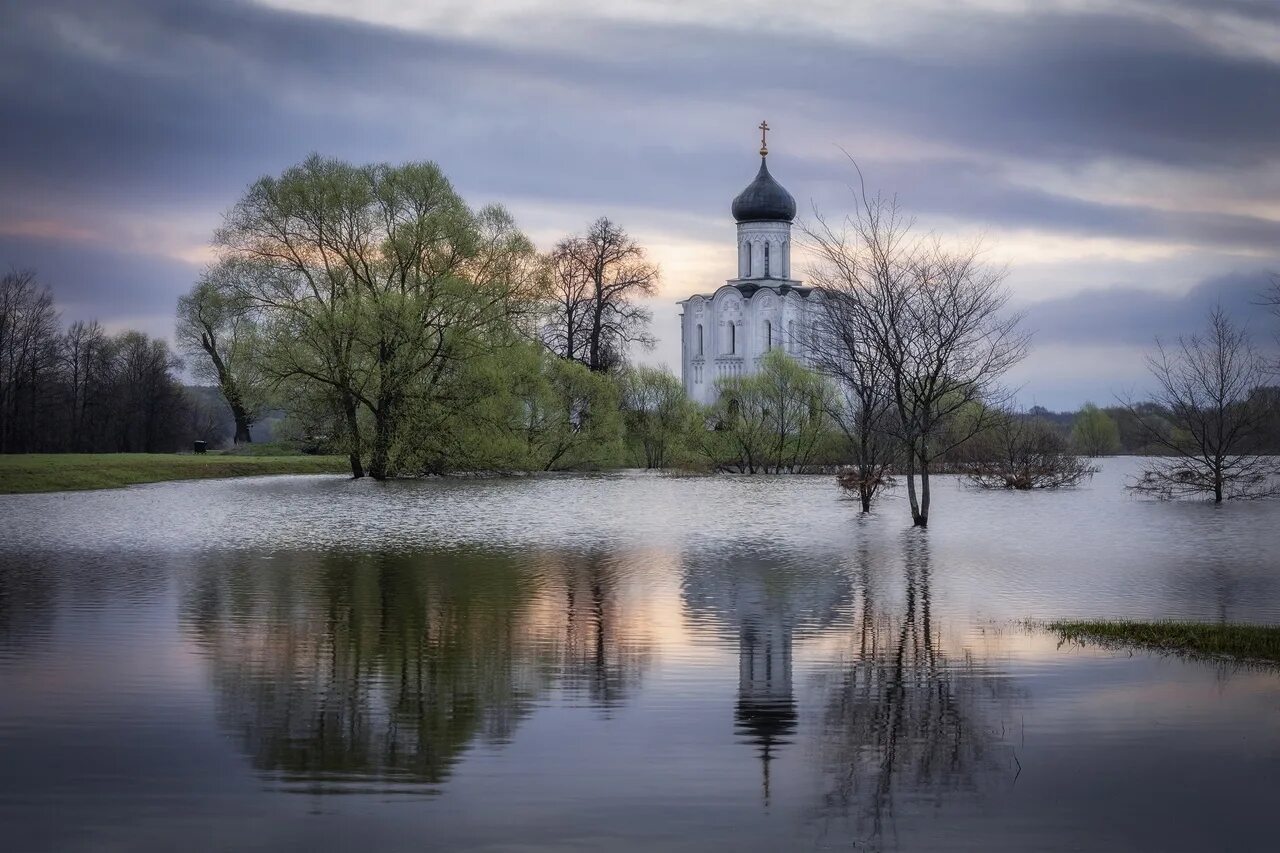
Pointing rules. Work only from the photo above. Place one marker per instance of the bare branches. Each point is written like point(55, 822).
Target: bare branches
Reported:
point(1209, 386)
point(1020, 452)
point(592, 316)
point(910, 321)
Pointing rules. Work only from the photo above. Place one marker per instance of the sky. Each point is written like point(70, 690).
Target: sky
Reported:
point(1121, 159)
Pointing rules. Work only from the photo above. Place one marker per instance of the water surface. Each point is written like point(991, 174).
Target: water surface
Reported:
point(621, 662)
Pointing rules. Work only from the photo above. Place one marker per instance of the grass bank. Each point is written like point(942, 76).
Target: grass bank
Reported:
point(59, 472)
point(1243, 642)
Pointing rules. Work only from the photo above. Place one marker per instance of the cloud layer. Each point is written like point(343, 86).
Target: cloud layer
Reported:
point(1120, 156)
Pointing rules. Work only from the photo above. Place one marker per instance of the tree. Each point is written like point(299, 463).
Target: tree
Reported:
point(657, 414)
point(935, 317)
point(28, 359)
point(376, 281)
point(217, 330)
point(1208, 384)
point(841, 349)
point(1021, 452)
point(1094, 433)
point(592, 314)
point(772, 421)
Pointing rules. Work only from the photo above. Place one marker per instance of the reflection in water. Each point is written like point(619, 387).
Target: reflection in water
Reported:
point(590, 663)
point(600, 656)
point(763, 601)
point(900, 719)
point(27, 596)
point(340, 669)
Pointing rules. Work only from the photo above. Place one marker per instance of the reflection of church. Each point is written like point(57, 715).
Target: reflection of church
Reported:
point(726, 333)
point(764, 605)
point(766, 711)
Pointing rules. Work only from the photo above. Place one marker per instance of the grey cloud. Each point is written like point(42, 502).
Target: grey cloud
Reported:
point(144, 105)
point(197, 92)
point(1135, 315)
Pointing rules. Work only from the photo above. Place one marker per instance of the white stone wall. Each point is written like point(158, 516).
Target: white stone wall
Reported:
point(758, 239)
point(736, 331)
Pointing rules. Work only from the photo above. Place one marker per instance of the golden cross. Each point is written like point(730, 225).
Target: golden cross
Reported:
point(764, 143)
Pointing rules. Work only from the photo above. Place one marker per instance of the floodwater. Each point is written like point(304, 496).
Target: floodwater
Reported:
point(624, 662)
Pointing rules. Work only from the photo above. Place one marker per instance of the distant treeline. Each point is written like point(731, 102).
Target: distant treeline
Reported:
point(80, 389)
point(1129, 435)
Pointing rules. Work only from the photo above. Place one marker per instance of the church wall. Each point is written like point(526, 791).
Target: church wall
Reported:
point(736, 333)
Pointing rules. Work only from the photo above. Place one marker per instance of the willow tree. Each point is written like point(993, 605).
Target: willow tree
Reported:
point(217, 332)
point(772, 421)
point(1094, 432)
point(375, 281)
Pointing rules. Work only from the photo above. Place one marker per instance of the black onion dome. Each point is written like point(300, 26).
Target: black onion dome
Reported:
point(764, 199)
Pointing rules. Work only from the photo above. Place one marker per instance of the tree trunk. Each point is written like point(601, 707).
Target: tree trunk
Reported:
point(242, 426)
point(911, 486)
point(353, 436)
point(921, 518)
point(379, 460)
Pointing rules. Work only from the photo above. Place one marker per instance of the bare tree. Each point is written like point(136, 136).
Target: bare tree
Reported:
point(841, 349)
point(28, 340)
point(1021, 452)
point(569, 295)
point(935, 317)
point(595, 280)
point(217, 329)
point(1208, 385)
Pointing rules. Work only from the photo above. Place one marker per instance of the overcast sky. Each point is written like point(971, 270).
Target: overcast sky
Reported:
point(1123, 157)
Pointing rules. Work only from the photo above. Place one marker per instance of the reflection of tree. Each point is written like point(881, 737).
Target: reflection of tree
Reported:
point(27, 599)
point(902, 718)
point(597, 654)
point(764, 601)
point(341, 668)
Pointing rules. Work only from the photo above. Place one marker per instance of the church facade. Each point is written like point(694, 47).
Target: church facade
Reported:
point(728, 332)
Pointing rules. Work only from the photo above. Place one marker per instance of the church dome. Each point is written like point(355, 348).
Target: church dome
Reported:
point(764, 200)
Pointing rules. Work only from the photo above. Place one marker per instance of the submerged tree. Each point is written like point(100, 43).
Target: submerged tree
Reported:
point(1094, 432)
point(1208, 385)
point(937, 321)
point(596, 278)
point(1020, 452)
point(841, 349)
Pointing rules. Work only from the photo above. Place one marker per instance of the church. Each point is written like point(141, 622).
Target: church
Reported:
point(727, 333)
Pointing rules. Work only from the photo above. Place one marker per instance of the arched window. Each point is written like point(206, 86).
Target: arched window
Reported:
point(766, 260)
point(699, 339)
point(733, 339)
point(768, 335)
point(747, 269)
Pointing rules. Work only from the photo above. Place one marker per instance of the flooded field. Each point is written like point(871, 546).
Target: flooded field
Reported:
point(625, 661)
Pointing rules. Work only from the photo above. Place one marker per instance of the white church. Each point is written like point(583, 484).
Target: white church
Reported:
point(727, 332)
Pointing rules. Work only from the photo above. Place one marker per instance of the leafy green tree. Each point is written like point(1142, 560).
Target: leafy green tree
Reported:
point(772, 421)
point(657, 414)
point(1094, 432)
point(376, 281)
point(216, 330)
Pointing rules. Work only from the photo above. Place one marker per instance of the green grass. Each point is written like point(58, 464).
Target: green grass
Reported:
point(58, 472)
point(1242, 642)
